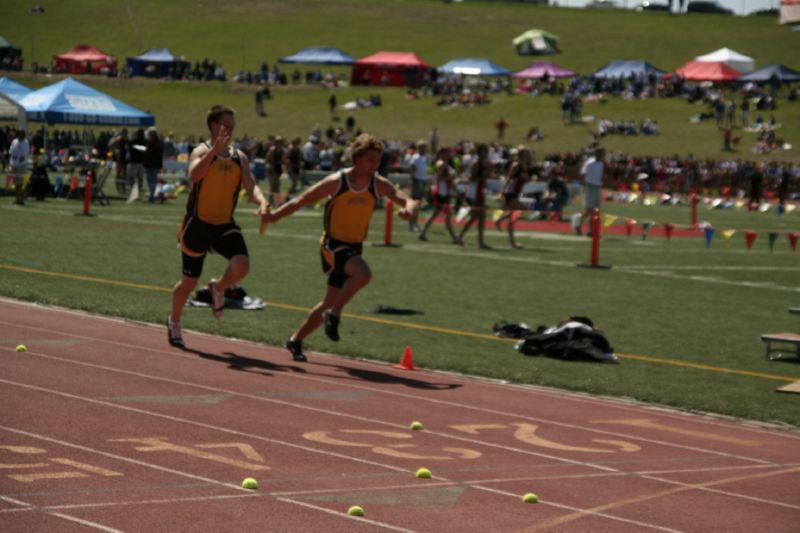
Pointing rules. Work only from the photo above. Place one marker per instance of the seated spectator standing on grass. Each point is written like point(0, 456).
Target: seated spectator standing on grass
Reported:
point(353, 193)
point(40, 181)
point(120, 145)
point(153, 161)
point(592, 173)
point(217, 171)
point(136, 163)
point(18, 157)
point(418, 164)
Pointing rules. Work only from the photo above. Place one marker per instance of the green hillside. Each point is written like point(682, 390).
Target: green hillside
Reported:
point(241, 34)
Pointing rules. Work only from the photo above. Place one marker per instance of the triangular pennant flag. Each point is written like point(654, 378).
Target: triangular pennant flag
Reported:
point(608, 220)
point(646, 229)
point(793, 240)
point(668, 228)
point(750, 238)
point(649, 201)
point(462, 213)
point(788, 208)
point(629, 224)
point(728, 235)
point(632, 197)
point(773, 236)
point(496, 214)
point(709, 232)
point(740, 204)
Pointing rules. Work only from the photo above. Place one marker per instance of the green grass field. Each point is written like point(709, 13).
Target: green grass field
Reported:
point(684, 318)
point(242, 33)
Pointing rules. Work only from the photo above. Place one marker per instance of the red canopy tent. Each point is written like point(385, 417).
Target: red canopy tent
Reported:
point(707, 71)
point(395, 69)
point(85, 59)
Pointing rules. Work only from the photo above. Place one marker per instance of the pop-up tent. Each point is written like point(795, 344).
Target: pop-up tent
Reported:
point(395, 69)
point(627, 69)
point(539, 69)
point(319, 55)
point(11, 93)
point(707, 71)
point(85, 59)
point(771, 72)
point(473, 67)
point(9, 55)
point(533, 42)
point(733, 59)
point(71, 102)
point(790, 11)
point(156, 63)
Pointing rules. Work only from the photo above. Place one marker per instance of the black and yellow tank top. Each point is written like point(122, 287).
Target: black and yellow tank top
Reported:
point(213, 198)
point(348, 212)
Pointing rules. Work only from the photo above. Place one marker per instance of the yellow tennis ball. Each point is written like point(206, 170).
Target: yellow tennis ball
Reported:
point(22, 348)
point(416, 425)
point(530, 498)
point(249, 483)
point(355, 510)
point(424, 473)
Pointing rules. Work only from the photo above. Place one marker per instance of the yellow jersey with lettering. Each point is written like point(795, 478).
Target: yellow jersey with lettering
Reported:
point(348, 212)
point(213, 198)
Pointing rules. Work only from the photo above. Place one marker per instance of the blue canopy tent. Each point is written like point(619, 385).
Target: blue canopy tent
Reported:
point(769, 73)
point(627, 69)
point(473, 67)
point(319, 55)
point(156, 63)
point(11, 93)
point(71, 102)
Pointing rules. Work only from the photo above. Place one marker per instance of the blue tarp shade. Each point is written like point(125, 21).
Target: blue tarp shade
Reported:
point(11, 93)
point(767, 72)
point(13, 89)
point(72, 102)
point(473, 67)
point(627, 69)
point(319, 55)
point(156, 62)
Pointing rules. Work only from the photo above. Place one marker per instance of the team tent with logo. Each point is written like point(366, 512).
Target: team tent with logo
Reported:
point(394, 69)
point(540, 69)
point(732, 58)
point(626, 69)
point(156, 63)
point(85, 59)
point(716, 71)
point(473, 67)
point(71, 102)
point(536, 42)
point(771, 72)
point(319, 55)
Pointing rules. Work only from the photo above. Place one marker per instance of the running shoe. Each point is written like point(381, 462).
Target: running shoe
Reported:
point(331, 326)
point(174, 334)
point(296, 349)
point(217, 300)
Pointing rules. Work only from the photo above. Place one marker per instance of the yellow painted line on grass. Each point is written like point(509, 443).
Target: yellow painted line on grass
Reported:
point(410, 325)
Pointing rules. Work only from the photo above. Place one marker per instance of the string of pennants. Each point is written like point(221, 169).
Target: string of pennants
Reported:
point(708, 230)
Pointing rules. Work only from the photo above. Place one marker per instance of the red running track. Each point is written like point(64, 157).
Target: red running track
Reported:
point(105, 427)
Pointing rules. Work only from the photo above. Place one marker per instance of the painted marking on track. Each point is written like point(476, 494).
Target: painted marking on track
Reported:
point(207, 399)
point(247, 450)
point(390, 450)
point(656, 495)
point(649, 424)
point(38, 476)
point(161, 444)
point(88, 468)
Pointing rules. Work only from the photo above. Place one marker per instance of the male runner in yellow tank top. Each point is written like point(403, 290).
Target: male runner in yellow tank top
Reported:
point(217, 171)
point(352, 194)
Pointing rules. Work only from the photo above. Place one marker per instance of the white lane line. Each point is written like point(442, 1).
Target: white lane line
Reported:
point(27, 507)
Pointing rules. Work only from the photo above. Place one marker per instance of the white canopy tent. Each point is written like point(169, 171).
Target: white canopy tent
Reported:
point(733, 59)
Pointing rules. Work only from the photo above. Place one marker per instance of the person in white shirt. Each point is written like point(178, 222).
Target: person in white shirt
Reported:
point(592, 172)
point(418, 166)
point(18, 157)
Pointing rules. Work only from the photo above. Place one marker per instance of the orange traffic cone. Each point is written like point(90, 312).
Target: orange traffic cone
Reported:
point(407, 362)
